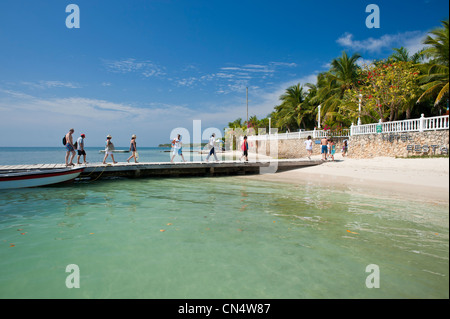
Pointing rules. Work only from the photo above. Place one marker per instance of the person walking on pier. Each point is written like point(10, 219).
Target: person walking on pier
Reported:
point(70, 149)
point(177, 148)
point(109, 149)
point(244, 149)
point(80, 149)
point(212, 144)
point(133, 149)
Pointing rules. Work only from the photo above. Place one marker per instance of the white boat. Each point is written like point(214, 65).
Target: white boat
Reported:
point(38, 177)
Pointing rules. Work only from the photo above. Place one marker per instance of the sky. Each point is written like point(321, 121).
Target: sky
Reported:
point(153, 67)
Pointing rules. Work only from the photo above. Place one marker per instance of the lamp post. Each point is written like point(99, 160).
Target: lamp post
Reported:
point(246, 91)
point(359, 109)
point(269, 124)
point(318, 124)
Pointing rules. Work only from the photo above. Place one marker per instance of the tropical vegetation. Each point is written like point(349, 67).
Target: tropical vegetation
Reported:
point(401, 86)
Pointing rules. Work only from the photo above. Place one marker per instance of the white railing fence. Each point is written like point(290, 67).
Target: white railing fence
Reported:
point(413, 125)
point(300, 135)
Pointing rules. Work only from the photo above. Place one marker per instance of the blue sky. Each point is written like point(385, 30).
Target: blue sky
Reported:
point(148, 67)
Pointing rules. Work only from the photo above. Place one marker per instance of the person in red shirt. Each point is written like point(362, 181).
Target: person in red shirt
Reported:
point(244, 148)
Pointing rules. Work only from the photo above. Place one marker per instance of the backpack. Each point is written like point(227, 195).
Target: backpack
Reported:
point(64, 140)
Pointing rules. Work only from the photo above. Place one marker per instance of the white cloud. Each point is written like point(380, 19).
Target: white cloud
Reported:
point(81, 108)
point(235, 78)
point(52, 84)
point(284, 64)
point(35, 121)
point(361, 62)
point(39, 121)
point(130, 65)
point(262, 101)
point(188, 82)
point(412, 40)
point(44, 118)
point(273, 97)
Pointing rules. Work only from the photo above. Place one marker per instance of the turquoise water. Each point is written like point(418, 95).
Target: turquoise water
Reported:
point(219, 238)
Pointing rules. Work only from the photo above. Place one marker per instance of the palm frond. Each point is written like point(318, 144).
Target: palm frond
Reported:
point(441, 94)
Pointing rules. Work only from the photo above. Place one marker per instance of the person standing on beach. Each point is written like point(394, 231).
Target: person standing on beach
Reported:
point(309, 146)
point(109, 149)
point(344, 149)
point(244, 149)
point(328, 148)
point(324, 148)
point(70, 149)
point(212, 144)
point(133, 149)
point(80, 149)
point(332, 149)
point(177, 148)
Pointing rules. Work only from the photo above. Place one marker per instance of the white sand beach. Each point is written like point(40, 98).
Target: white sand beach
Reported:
point(418, 178)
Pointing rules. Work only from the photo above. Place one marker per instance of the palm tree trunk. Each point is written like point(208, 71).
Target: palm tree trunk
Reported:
point(408, 113)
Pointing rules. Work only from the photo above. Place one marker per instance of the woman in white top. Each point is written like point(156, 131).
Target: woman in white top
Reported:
point(108, 149)
point(177, 148)
point(309, 144)
point(212, 145)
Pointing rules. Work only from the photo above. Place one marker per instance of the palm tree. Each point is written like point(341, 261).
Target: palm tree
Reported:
point(253, 123)
point(343, 75)
point(236, 123)
point(312, 101)
point(437, 79)
point(291, 112)
point(438, 49)
point(402, 55)
point(345, 70)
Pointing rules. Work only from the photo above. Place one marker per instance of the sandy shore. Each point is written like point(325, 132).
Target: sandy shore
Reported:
point(423, 179)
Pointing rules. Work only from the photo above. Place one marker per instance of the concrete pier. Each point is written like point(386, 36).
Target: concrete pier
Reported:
point(165, 169)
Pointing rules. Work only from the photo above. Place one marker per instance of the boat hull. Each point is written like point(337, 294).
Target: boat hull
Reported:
point(38, 178)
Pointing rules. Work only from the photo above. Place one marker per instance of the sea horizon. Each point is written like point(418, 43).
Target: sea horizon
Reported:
point(56, 154)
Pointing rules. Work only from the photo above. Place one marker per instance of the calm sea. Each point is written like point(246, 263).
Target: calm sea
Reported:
point(50, 155)
point(226, 237)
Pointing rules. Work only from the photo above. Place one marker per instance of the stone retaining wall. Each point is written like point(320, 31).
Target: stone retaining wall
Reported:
point(364, 146)
point(292, 148)
point(399, 144)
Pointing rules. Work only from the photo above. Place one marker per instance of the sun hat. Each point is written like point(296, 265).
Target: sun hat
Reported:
point(133, 136)
point(109, 136)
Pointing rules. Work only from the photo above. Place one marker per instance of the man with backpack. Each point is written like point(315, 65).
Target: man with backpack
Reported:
point(70, 148)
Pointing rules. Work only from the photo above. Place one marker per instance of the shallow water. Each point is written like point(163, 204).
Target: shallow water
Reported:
point(219, 238)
